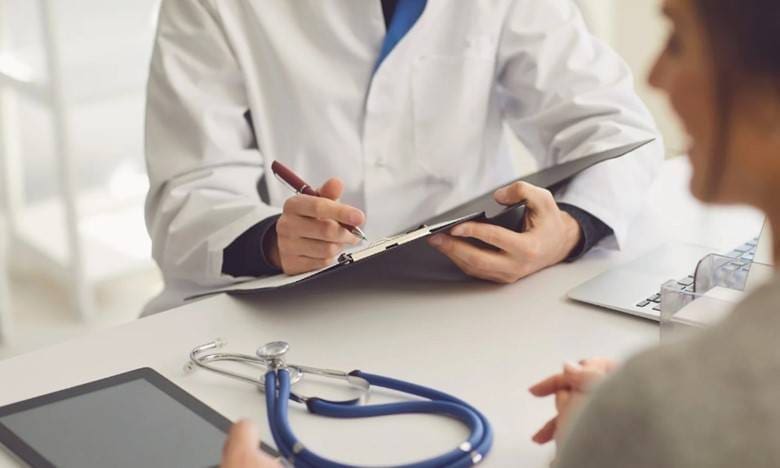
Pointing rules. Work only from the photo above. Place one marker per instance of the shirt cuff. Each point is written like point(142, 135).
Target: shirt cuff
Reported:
point(245, 255)
point(593, 230)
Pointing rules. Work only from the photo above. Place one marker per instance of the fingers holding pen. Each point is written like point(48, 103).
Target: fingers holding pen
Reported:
point(325, 230)
point(313, 230)
point(310, 244)
point(324, 209)
point(314, 226)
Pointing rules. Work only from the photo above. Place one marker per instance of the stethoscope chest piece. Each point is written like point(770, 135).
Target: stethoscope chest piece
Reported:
point(273, 353)
point(268, 357)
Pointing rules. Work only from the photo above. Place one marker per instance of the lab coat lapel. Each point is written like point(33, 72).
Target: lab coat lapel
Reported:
point(406, 44)
point(406, 14)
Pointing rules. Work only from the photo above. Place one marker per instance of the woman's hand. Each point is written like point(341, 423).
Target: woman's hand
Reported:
point(242, 449)
point(570, 388)
point(550, 236)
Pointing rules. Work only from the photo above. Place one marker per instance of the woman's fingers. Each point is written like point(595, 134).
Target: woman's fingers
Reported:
point(582, 380)
point(547, 432)
point(562, 398)
point(243, 437)
point(600, 363)
point(569, 388)
point(241, 448)
point(576, 376)
point(549, 385)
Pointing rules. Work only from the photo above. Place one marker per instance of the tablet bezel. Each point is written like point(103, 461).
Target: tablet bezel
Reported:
point(29, 455)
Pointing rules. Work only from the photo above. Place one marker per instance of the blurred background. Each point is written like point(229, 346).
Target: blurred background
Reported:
point(72, 80)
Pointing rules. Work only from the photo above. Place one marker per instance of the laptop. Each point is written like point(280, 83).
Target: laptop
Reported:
point(764, 249)
point(634, 288)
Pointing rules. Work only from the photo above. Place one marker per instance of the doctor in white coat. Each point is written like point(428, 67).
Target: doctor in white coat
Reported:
point(405, 102)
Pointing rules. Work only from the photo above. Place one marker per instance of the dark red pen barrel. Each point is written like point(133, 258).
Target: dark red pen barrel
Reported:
point(300, 186)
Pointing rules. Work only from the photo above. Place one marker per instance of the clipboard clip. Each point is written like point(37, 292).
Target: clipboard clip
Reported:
point(394, 241)
point(384, 244)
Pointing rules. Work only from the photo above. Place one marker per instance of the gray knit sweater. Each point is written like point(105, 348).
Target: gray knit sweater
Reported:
point(710, 401)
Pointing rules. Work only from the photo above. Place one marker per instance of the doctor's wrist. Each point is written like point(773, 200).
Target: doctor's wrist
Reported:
point(271, 248)
point(572, 234)
point(593, 230)
point(247, 256)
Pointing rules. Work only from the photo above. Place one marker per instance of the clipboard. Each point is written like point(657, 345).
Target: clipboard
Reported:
point(483, 209)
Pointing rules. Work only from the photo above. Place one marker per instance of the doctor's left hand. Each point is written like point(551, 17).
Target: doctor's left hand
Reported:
point(550, 236)
point(241, 449)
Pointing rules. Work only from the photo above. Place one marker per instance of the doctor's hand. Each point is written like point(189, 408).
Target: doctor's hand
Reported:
point(571, 387)
point(550, 236)
point(241, 449)
point(308, 234)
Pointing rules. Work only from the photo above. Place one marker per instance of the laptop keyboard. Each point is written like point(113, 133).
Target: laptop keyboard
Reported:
point(746, 251)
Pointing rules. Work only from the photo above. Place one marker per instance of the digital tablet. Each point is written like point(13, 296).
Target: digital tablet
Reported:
point(138, 418)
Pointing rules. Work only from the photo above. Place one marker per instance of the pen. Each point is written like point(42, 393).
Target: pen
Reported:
point(290, 179)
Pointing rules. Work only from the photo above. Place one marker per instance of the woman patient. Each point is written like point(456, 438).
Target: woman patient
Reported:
point(713, 400)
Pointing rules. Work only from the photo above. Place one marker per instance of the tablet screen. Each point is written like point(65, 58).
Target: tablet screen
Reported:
point(126, 424)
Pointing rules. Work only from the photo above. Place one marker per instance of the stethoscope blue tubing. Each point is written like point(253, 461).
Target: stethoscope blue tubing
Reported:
point(277, 402)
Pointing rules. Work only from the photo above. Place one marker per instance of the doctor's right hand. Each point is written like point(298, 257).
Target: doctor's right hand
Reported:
point(308, 234)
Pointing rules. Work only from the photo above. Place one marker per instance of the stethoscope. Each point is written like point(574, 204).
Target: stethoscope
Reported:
point(277, 385)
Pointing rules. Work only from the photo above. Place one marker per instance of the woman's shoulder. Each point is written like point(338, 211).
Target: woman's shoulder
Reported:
point(743, 344)
point(691, 390)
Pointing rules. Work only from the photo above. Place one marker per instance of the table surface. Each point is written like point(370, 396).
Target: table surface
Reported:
point(482, 342)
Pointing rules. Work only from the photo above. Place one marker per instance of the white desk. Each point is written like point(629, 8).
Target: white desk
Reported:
point(482, 342)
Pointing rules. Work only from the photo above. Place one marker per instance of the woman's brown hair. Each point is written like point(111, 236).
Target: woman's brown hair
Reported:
point(744, 39)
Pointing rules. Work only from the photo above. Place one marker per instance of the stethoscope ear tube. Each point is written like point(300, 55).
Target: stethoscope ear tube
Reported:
point(469, 453)
point(280, 377)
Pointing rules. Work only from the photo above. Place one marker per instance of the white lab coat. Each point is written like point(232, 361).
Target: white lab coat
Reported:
point(419, 136)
